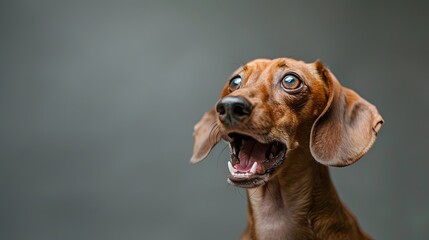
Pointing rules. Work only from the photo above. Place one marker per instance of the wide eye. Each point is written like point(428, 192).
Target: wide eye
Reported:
point(291, 82)
point(234, 83)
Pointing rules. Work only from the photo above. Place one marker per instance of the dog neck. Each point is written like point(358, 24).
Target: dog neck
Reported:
point(299, 203)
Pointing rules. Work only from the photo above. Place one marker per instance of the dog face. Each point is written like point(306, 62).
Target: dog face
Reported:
point(281, 110)
point(271, 108)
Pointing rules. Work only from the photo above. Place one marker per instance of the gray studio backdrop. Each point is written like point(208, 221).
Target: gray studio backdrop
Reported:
point(98, 100)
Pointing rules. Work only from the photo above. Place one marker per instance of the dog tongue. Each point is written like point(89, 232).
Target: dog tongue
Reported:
point(252, 151)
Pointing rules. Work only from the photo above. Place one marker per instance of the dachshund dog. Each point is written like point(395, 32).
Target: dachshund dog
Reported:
point(286, 121)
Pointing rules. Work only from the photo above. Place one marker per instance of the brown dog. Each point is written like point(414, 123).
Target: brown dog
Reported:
point(286, 121)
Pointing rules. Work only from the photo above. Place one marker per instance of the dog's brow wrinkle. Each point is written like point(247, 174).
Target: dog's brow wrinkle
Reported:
point(282, 65)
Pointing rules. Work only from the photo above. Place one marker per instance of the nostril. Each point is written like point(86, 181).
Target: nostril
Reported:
point(238, 110)
point(220, 108)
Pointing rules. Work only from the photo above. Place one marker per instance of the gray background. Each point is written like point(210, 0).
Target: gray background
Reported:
point(98, 100)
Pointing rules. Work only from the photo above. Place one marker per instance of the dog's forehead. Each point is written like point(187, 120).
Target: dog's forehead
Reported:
point(264, 68)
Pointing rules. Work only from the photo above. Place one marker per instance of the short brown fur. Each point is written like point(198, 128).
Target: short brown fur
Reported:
point(324, 124)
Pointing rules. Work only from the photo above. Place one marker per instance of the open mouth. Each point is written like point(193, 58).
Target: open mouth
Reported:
point(252, 161)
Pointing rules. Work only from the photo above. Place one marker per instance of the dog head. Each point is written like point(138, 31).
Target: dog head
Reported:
point(271, 108)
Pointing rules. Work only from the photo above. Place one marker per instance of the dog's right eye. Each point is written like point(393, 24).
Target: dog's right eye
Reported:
point(234, 83)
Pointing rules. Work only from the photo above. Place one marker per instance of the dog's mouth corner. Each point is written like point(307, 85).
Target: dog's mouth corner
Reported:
point(253, 161)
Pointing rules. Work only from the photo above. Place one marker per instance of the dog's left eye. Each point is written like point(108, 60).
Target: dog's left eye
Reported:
point(291, 82)
point(234, 83)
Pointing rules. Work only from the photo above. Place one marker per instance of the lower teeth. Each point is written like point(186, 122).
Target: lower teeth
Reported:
point(241, 174)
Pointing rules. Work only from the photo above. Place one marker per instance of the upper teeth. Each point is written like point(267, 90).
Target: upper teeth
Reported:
point(253, 169)
point(232, 170)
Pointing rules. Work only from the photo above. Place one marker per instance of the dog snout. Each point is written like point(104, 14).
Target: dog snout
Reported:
point(233, 110)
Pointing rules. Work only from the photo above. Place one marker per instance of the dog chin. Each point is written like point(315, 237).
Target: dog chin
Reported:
point(248, 182)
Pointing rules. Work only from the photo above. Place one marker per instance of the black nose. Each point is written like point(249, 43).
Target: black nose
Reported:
point(233, 110)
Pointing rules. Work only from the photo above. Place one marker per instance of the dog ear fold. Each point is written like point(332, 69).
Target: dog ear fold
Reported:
point(347, 127)
point(206, 136)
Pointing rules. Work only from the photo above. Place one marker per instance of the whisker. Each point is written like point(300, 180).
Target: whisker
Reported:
point(236, 190)
point(240, 193)
point(251, 194)
point(213, 127)
point(269, 191)
point(218, 134)
point(218, 156)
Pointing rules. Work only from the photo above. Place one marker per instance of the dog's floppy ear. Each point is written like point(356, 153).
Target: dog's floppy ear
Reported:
point(206, 136)
point(347, 127)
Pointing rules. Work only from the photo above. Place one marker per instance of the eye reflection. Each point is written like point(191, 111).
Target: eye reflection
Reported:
point(291, 82)
point(235, 83)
